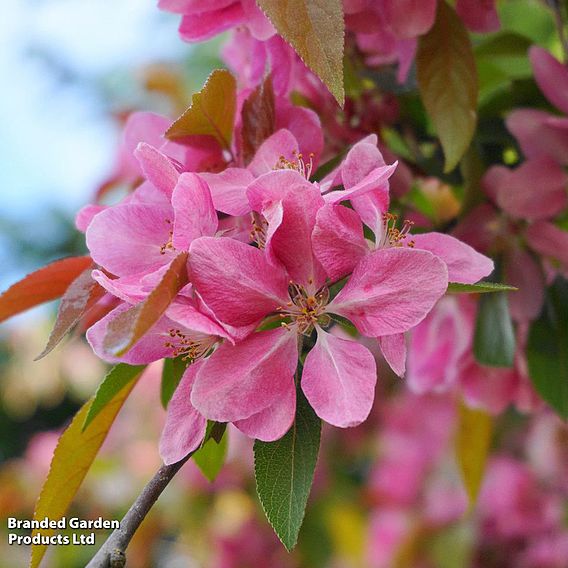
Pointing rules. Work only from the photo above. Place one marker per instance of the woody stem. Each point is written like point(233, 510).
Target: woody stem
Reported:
point(112, 552)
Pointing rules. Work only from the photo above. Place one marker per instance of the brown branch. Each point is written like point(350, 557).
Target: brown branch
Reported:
point(112, 552)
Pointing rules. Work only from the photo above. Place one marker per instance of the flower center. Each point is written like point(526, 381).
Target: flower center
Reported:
point(258, 230)
point(392, 236)
point(189, 348)
point(298, 164)
point(169, 245)
point(305, 310)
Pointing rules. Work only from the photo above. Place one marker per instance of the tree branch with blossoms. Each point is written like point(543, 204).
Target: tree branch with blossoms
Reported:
point(274, 247)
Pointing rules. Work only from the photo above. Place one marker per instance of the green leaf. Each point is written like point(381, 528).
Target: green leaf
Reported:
point(494, 340)
point(211, 113)
point(73, 456)
point(315, 29)
point(472, 443)
point(447, 78)
point(478, 288)
point(501, 58)
point(79, 298)
point(284, 472)
point(214, 430)
point(211, 457)
point(172, 372)
point(128, 327)
point(547, 349)
point(116, 379)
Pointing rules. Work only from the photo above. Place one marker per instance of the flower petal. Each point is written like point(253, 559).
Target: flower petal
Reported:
point(228, 190)
point(479, 17)
point(551, 76)
point(205, 25)
point(539, 134)
point(339, 380)
point(303, 123)
point(290, 204)
point(338, 240)
point(535, 190)
point(409, 18)
point(239, 381)
point(391, 290)
point(185, 312)
point(525, 273)
point(393, 348)
point(149, 349)
point(127, 239)
point(194, 213)
point(236, 280)
point(548, 240)
point(362, 159)
point(131, 289)
point(375, 180)
point(86, 215)
point(281, 144)
point(465, 264)
point(157, 168)
point(273, 422)
point(185, 426)
point(140, 127)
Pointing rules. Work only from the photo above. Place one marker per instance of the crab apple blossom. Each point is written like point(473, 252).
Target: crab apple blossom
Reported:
point(284, 279)
point(328, 209)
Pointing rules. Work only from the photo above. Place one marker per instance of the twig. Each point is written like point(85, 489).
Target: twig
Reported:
point(112, 552)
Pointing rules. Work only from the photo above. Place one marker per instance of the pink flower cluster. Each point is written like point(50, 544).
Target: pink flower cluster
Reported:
point(441, 359)
point(278, 265)
point(416, 494)
point(518, 223)
point(385, 32)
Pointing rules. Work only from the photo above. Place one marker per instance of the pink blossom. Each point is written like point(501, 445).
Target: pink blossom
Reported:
point(511, 503)
point(388, 532)
point(202, 19)
point(530, 196)
point(439, 343)
point(243, 285)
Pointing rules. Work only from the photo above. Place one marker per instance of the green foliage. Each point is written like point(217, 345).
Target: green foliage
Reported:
point(75, 452)
point(211, 456)
point(315, 29)
point(172, 371)
point(478, 288)
point(494, 341)
point(211, 113)
point(447, 77)
point(547, 349)
point(284, 472)
point(116, 379)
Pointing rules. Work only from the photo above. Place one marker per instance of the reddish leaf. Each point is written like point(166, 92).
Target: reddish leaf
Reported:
point(129, 327)
point(315, 29)
point(211, 113)
point(47, 283)
point(82, 294)
point(258, 118)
